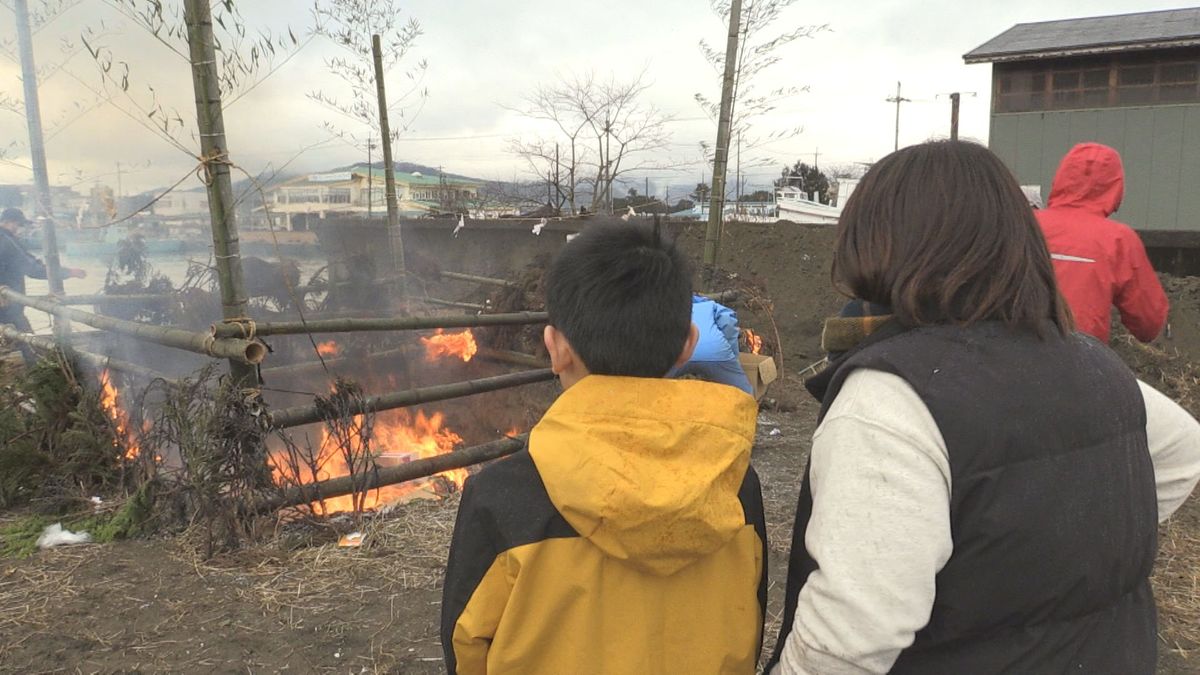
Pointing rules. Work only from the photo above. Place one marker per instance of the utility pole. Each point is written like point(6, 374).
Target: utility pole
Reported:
point(395, 242)
point(898, 99)
point(214, 154)
point(954, 116)
point(816, 156)
point(738, 187)
point(42, 200)
point(370, 177)
point(712, 237)
point(558, 192)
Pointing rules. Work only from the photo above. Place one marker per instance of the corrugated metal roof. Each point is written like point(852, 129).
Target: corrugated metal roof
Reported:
point(1093, 35)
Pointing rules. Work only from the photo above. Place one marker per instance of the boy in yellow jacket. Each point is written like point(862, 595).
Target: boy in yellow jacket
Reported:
point(628, 538)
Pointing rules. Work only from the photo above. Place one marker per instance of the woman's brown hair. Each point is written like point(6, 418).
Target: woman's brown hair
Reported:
point(942, 234)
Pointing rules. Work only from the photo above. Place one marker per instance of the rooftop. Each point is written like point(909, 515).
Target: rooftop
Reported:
point(1092, 35)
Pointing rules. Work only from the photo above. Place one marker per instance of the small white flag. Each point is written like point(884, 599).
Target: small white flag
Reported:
point(461, 224)
point(537, 229)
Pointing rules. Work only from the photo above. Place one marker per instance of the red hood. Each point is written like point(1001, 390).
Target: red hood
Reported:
point(1090, 177)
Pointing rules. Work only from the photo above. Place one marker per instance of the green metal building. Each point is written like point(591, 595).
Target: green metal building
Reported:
point(1130, 81)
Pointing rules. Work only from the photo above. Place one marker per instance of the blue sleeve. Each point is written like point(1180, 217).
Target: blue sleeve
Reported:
point(727, 321)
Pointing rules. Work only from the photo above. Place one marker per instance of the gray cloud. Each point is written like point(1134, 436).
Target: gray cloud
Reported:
point(482, 56)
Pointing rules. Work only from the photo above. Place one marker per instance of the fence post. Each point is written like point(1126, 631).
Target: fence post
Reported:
point(716, 213)
point(215, 158)
point(43, 202)
point(395, 241)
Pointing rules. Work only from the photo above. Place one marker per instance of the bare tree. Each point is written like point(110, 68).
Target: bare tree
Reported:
point(245, 59)
point(758, 50)
point(349, 24)
point(604, 129)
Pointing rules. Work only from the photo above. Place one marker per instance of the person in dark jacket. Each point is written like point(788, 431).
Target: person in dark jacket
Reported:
point(985, 483)
point(629, 537)
point(1098, 261)
point(16, 263)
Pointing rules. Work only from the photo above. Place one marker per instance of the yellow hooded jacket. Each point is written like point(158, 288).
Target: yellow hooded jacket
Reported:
point(627, 540)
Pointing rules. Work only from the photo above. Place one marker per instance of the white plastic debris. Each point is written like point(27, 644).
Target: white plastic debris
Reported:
point(55, 535)
point(629, 215)
point(776, 432)
point(461, 224)
point(572, 236)
point(537, 229)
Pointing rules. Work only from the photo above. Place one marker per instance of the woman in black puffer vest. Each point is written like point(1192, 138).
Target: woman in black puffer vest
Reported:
point(985, 484)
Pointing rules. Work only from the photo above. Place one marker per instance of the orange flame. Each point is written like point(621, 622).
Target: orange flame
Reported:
point(397, 437)
point(109, 402)
point(461, 345)
point(330, 348)
point(754, 341)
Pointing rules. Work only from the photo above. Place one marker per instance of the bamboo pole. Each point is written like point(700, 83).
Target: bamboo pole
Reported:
point(95, 360)
point(319, 368)
point(395, 240)
point(474, 278)
point(513, 358)
point(301, 415)
point(422, 468)
point(43, 202)
point(101, 299)
point(350, 325)
point(469, 306)
point(716, 213)
point(214, 153)
point(242, 351)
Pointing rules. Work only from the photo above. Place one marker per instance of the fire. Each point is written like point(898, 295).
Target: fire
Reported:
point(754, 341)
point(397, 437)
point(109, 402)
point(461, 345)
point(330, 348)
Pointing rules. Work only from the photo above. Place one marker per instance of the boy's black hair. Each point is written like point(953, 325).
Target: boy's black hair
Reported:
point(622, 295)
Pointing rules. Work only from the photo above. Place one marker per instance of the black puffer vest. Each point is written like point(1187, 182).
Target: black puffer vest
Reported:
point(1053, 510)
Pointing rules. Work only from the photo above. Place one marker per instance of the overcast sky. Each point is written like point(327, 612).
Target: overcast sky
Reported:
point(483, 55)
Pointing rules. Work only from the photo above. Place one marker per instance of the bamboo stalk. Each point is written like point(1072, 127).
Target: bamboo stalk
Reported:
point(214, 155)
point(317, 367)
point(514, 358)
point(469, 306)
point(95, 360)
point(243, 351)
point(395, 238)
point(227, 330)
point(301, 415)
point(391, 475)
point(486, 281)
point(100, 299)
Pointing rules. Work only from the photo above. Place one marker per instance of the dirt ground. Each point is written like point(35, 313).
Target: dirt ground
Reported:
point(299, 603)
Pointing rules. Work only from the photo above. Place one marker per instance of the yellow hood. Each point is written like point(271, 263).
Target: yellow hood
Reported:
point(648, 470)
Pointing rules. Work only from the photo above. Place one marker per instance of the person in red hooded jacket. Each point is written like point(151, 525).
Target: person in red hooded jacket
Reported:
point(1098, 261)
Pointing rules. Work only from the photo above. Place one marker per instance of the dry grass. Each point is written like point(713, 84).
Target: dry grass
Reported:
point(1176, 576)
point(29, 595)
point(1176, 583)
point(403, 549)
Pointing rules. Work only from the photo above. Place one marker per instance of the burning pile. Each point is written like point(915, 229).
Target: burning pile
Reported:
point(110, 402)
point(355, 445)
point(461, 345)
point(392, 437)
point(754, 341)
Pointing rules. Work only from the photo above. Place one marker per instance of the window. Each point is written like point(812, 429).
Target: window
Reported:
point(1149, 78)
point(338, 196)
